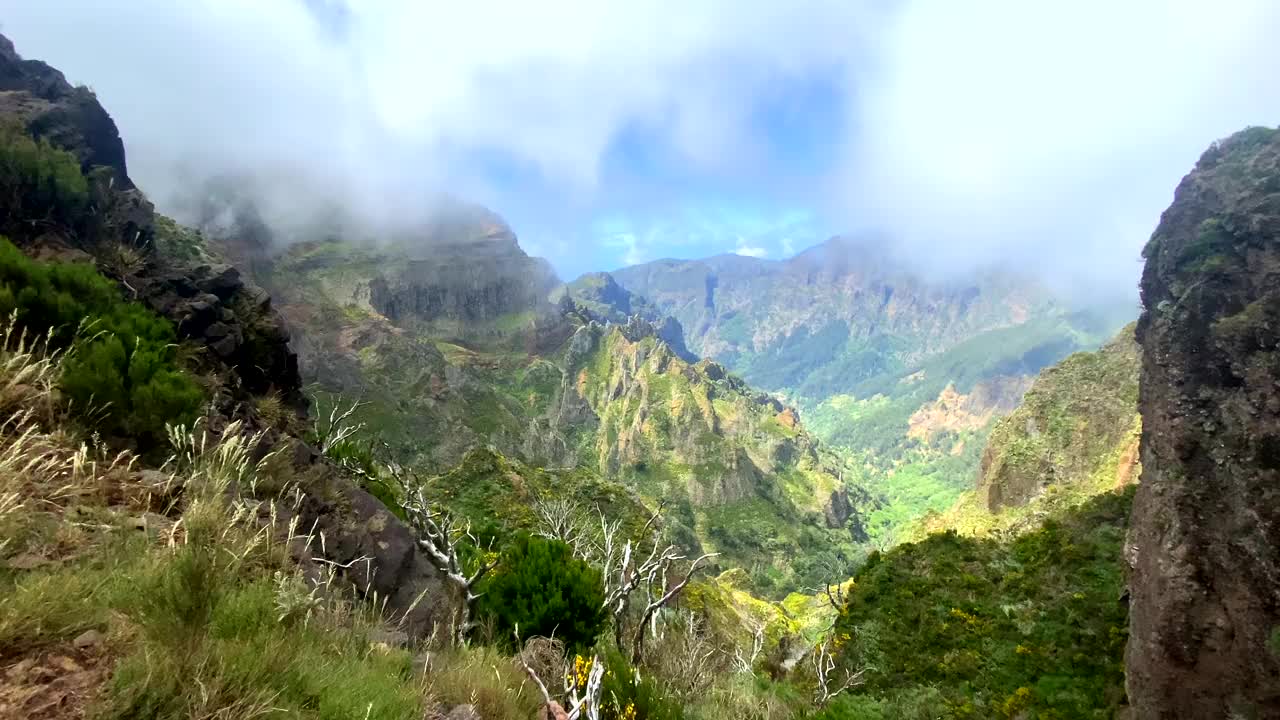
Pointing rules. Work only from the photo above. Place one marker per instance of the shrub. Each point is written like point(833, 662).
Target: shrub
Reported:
point(1022, 627)
point(121, 368)
point(38, 182)
point(628, 695)
point(541, 588)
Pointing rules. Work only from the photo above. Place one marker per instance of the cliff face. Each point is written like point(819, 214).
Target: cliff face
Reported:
point(1074, 436)
point(1076, 430)
point(1204, 546)
point(239, 346)
point(40, 97)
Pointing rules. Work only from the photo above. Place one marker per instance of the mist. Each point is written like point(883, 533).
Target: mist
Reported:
point(1047, 136)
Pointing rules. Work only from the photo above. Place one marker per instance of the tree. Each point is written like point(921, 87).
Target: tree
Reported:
point(627, 567)
point(439, 538)
point(540, 587)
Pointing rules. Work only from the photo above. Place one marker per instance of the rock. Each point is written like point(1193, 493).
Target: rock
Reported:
point(220, 280)
point(463, 712)
point(67, 116)
point(390, 637)
point(87, 639)
point(1205, 532)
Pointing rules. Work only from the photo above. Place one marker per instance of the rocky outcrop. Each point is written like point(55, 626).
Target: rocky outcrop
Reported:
point(466, 281)
point(234, 320)
point(1204, 544)
point(1073, 432)
point(69, 117)
point(605, 301)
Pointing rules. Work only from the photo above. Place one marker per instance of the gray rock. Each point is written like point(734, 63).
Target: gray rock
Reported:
point(463, 712)
point(87, 639)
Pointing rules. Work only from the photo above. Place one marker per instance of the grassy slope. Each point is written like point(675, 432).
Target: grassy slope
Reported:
point(982, 628)
point(920, 475)
point(1074, 436)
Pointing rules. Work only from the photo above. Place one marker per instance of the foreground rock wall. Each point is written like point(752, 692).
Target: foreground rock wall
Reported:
point(1204, 544)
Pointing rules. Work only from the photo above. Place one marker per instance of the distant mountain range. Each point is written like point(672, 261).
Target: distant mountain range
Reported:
point(905, 372)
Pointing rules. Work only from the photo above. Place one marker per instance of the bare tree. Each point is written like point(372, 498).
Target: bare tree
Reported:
point(560, 519)
point(684, 655)
point(337, 427)
point(625, 572)
point(439, 536)
point(583, 696)
point(747, 663)
point(831, 682)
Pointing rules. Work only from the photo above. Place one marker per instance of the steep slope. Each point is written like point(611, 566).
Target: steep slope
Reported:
point(562, 386)
point(906, 373)
point(78, 221)
point(1031, 626)
point(1075, 435)
point(1205, 545)
point(829, 318)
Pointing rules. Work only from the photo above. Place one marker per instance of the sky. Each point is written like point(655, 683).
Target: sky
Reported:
point(1045, 135)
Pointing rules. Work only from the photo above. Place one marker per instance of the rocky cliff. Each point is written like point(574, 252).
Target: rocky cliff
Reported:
point(1074, 436)
point(1205, 540)
point(233, 341)
point(907, 372)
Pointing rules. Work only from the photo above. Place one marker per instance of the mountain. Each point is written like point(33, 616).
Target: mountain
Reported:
point(444, 360)
point(1075, 435)
point(905, 372)
point(1204, 549)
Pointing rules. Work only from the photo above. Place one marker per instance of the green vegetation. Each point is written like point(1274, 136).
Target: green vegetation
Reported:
point(1029, 627)
point(1074, 436)
point(120, 369)
point(629, 695)
point(540, 589)
point(43, 185)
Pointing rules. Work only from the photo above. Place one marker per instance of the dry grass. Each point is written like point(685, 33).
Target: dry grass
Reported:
point(483, 677)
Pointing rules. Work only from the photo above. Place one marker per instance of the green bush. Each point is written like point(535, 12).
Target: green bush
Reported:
point(543, 589)
point(628, 695)
point(38, 182)
point(121, 371)
point(1030, 627)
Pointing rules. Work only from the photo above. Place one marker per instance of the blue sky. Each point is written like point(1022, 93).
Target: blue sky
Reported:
point(658, 205)
point(1046, 136)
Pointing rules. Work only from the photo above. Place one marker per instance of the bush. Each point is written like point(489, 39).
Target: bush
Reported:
point(1028, 627)
point(627, 695)
point(38, 182)
point(543, 589)
point(121, 370)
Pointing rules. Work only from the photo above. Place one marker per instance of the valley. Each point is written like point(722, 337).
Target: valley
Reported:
point(327, 467)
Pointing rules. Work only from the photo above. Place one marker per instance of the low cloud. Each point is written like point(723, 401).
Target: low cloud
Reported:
point(1049, 135)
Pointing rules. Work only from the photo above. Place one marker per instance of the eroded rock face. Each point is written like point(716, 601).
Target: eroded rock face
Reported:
point(233, 319)
point(1204, 543)
point(68, 116)
point(467, 280)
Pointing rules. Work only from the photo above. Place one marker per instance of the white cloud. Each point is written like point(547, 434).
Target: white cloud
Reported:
point(748, 251)
point(1048, 134)
point(788, 247)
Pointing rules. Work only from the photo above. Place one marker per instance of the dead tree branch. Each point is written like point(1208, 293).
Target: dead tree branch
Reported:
point(831, 683)
point(438, 537)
